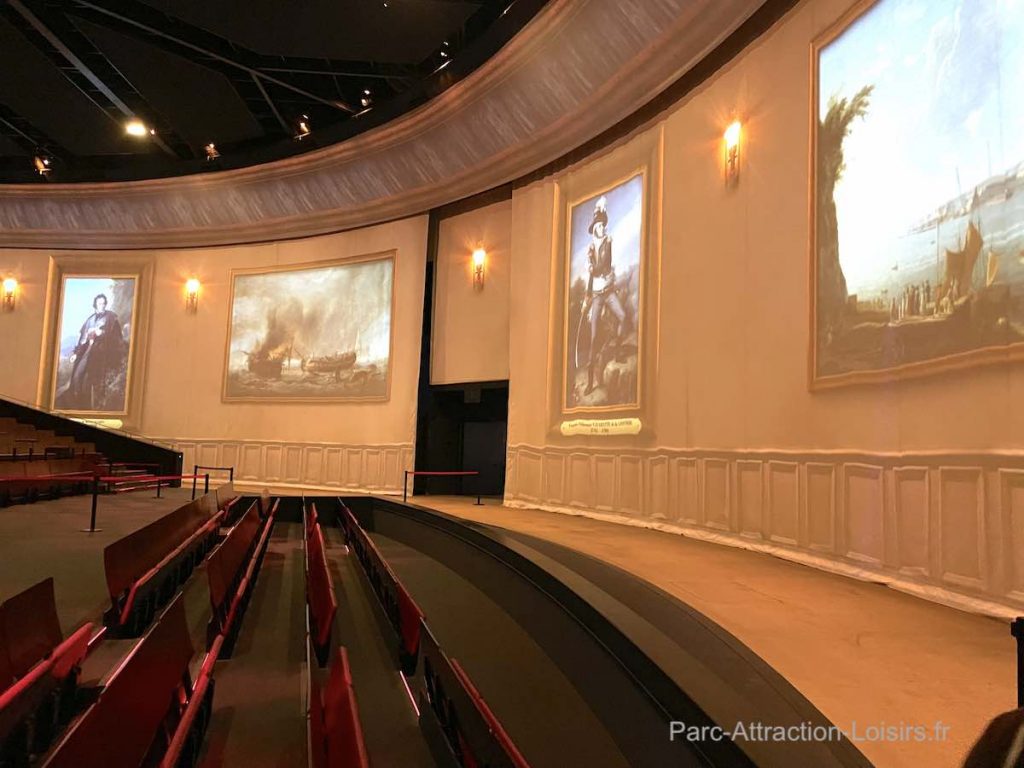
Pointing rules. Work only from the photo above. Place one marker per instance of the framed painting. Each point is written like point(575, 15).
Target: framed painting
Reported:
point(917, 190)
point(604, 274)
point(95, 344)
point(306, 332)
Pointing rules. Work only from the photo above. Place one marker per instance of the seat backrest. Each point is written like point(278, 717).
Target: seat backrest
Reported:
point(29, 627)
point(129, 558)
point(345, 746)
point(117, 731)
point(229, 558)
point(323, 602)
point(466, 719)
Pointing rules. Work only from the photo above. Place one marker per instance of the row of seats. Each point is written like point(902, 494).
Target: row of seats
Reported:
point(27, 480)
point(401, 610)
point(231, 571)
point(17, 439)
point(145, 568)
point(320, 595)
point(472, 731)
point(39, 671)
point(335, 732)
point(141, 709)
point(151, 712)
point(473, 734)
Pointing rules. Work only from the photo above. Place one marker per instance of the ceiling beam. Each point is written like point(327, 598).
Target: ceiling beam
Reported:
point(207, 49)
point(89, 70)
point(29, 137)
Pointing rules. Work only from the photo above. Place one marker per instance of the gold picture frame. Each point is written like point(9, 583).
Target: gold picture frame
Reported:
point(568, 339)
point(982, 355)
point(133, 341)
point(383, 256)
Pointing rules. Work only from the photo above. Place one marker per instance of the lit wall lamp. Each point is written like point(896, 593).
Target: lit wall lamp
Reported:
point(192, 295)
point(479, 261)
point(9, 294)
point(732, 137)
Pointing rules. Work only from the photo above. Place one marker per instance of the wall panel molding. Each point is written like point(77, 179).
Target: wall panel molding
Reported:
point(327, 466)
point(944, 526)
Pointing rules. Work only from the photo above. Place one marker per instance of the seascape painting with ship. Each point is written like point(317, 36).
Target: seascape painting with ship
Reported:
point(312, 333)
point(919, 188)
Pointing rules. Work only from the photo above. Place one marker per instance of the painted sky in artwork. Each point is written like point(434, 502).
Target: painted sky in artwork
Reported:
point(947, 112)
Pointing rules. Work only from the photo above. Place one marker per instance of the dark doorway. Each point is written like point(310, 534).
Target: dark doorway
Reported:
point(462, 427)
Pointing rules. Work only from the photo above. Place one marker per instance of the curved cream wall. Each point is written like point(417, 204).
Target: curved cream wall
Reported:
point(356, 446)
point(919, 484)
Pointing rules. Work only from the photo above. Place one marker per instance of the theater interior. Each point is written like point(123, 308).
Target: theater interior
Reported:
point(511, 383)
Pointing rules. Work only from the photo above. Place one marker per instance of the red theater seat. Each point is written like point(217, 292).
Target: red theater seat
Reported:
point(150, 688)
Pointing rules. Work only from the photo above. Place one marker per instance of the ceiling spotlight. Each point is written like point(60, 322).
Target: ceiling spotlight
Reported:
point(211, 151)
point(136, 128)
point(366, 91)
point(444, 54)
point(43, 164)
point(365, 101)
point(302, 129)
point(445, 43)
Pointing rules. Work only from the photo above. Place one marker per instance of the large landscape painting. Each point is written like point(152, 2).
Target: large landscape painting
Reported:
point(311, 332)
point(918, 258)
point(95, 340)
point(603, 277)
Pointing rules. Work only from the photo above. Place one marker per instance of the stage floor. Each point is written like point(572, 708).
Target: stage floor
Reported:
point(865, 655)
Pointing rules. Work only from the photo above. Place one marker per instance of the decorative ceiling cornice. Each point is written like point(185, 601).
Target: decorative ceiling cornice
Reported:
point(574, 71)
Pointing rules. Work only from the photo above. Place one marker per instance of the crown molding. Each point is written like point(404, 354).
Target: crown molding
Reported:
point(574, 71)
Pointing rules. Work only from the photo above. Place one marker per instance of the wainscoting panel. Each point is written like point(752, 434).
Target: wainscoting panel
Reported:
point(783, 521)
point(352, 468)
point(750, 498)
point(913, 505)
point(715, 501)
point(864, 512)
point(1012, 501)
point(581, 480)
point(962, 526)
point(947, 526)
point(819, 525)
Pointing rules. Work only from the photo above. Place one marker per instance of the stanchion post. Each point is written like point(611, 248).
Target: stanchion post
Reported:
point(1017, 630)
point(231, 474)
point(95, 496)
point(195, 473)
point(206, 483)
point(405, 487)
point(158, 487)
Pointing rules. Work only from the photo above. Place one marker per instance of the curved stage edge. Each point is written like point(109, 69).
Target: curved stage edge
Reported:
point(646, 663)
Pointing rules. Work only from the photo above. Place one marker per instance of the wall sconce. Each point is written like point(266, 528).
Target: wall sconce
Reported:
point(302, 128)
point(731, 139)
point(479, 260)
point(10, 291)
point(191, 295)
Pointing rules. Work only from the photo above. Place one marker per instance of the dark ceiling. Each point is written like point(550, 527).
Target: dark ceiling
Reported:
point(238, 73)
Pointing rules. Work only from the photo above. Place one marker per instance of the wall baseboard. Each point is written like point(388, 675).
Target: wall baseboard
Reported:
point(330, 467)
point(944, 526)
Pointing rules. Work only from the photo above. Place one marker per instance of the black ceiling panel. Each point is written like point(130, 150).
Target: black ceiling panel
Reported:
point(199, 101)
point(239, 73)
point(406, 31)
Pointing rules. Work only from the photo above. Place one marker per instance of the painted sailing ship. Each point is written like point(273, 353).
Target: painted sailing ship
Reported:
point(330, 364)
